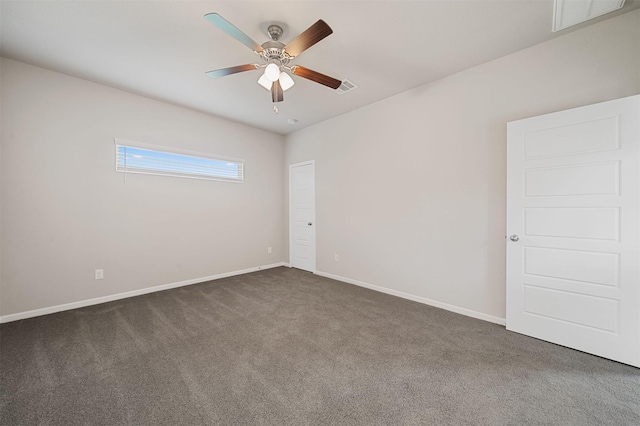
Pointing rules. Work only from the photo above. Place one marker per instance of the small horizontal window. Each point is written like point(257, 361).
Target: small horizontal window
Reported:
point(137, 159)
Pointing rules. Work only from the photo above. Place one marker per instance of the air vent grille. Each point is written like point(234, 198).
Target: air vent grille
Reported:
point(346, 86)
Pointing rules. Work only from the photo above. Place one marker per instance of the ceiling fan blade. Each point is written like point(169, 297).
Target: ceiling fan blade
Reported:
point(234, 32)
point(316, 76)
point(231, 70)
point(277, 94)
point(308, 38)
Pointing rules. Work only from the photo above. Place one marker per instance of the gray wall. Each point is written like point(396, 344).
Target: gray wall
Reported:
point(66, 212)
point(411, 189)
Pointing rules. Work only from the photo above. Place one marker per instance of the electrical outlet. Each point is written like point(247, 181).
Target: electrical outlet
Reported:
point(99, 274)
point(336, 257)
point(269, 250)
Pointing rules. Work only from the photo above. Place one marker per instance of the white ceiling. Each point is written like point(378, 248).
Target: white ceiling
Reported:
point(161, 49)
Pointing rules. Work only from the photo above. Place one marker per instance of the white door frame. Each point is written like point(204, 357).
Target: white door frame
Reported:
point(313, 230)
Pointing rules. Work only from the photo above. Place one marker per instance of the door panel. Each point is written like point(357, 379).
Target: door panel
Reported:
point(589, 311)
point(576, 222)
point(575, 265)
point(573, 197)
point(582, 179)
point(588, 136)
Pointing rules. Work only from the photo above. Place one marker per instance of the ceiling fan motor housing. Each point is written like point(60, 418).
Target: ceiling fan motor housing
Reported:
point(273, 51)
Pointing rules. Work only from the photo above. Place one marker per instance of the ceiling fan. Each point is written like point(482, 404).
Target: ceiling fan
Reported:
point(276, 56)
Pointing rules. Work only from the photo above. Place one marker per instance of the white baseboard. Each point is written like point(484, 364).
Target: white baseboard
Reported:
point(419, 299)
point(110, 298)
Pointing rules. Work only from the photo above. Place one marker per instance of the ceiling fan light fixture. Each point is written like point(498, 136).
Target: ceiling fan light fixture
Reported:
point(265, 82)
point(286, 81)
point(272, 72)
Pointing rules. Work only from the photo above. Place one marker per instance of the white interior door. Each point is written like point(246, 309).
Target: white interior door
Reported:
point(302, 216)
point(573, 228)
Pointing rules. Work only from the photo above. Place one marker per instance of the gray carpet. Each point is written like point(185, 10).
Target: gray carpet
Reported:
point(284, 347)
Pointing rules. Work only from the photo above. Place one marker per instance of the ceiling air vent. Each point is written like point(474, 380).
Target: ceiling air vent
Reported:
point(345, 87)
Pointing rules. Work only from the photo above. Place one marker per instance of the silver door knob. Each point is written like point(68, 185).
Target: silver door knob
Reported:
point(514, 238)
point(309, 223)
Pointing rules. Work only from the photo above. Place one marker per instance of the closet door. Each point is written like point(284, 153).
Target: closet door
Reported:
point(302, 216)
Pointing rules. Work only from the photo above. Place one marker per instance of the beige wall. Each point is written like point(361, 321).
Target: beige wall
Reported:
point(410, 191)
point(66, 212)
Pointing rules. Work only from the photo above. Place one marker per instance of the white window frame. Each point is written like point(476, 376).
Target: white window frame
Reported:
point(171, 150)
